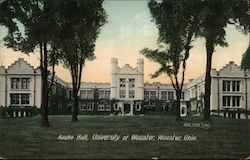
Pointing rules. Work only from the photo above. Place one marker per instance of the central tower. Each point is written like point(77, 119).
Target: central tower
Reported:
point(127, 83)
point(127, 86)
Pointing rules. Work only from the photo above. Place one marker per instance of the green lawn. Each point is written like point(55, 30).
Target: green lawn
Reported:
point(24, 138)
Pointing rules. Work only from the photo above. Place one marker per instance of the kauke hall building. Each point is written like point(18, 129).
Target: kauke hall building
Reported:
point(126, 94)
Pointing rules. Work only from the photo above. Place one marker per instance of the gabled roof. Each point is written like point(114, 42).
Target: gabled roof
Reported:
point(21, 66)
point(230, 70)
point(2, 70)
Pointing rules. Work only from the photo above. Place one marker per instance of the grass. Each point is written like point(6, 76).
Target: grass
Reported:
point(24, 138)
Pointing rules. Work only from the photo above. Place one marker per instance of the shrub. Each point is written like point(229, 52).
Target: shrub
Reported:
point(7, 112)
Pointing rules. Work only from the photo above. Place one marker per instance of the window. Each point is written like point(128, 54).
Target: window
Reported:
point(236, 101)
point(231, 86)
point(90, 94)
point(71, 94)
point(122, 93)
point(138, 107)
point(101, 106)
point(164, 95)
point(15, 83)
point(131, 83)
point(194, 93)
point(131, 94)
point(107, 94)
point(101, 94)
point(235, 85)
point(107, 107)
point(146, 95)
point(122, 86)
point(25, 99)
point(25, 83)
point(83, 94)
point(17, 99)
point(170, 95)
point(182, 95)
point(226, 101)
point(86, 94)
point(83, 106)
point(90, 106)
point(116, 107)
point(20, 83)
point(122, 82)
point(14, 99)
point(226, 85)
point(152, 94)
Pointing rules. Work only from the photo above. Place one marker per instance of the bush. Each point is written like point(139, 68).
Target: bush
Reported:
point(7, 112)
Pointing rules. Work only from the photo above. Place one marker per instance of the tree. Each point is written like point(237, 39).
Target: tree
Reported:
point(31, 24)
point(214, 16)
point(176, 22)
point(245, 62)
point(81, 22)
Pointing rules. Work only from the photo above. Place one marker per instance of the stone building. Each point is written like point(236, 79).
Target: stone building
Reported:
point(127, 93)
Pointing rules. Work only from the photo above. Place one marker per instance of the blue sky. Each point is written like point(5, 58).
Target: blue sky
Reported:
point(130, 29)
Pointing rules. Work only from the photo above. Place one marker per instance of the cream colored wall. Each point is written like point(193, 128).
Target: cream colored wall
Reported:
point(127, 72)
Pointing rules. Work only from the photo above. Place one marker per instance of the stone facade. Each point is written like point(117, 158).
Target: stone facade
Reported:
point(230, 91)
point(20, 85)
point(127, 93)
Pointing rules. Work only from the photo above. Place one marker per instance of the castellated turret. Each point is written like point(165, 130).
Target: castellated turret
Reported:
point(130, 78)
point(114, 65)
point(140, 78)
point(114, 68)
point(140, 65)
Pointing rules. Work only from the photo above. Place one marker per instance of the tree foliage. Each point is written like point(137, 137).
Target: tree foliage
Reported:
point(245, 62)
point(214, 17)
point(61, 29)
point(80, 23)
point(177, 25)
point(32, 24)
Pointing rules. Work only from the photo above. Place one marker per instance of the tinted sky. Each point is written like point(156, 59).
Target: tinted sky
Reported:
point(129, 29)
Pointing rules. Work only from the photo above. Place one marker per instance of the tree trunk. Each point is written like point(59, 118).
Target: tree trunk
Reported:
point(75, 106)
point(178, 105)
point(210, 50)
point(44, 98)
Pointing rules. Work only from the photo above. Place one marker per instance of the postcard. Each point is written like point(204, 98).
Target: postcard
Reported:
point(106, 79)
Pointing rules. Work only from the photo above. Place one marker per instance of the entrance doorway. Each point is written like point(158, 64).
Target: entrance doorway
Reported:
point(126, 108)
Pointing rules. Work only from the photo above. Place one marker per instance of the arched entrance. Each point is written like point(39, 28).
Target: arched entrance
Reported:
point(183, 110)
point(126, 108)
